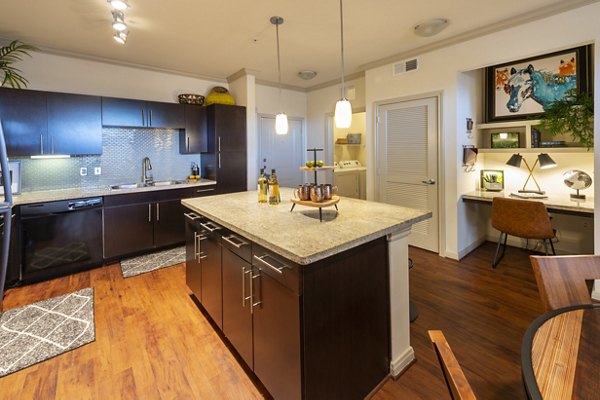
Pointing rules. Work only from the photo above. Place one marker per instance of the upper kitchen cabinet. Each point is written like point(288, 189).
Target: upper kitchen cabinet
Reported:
point(46, 123)
point(193, 139)
point(128, 113)
point(226, 127)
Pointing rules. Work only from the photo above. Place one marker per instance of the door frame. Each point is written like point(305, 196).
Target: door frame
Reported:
point(439, 96)
point(303, 136)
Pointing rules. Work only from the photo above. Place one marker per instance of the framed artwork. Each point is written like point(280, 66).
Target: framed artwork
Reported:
point(505, 140)
point(492, 180)
point(525, 88)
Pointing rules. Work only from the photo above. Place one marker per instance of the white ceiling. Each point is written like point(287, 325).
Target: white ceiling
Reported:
point(215, 39)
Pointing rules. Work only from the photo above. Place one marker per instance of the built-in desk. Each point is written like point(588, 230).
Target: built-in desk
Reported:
point(562, 204)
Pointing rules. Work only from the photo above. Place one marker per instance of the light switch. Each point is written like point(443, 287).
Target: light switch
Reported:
point(97, 170)
point(83, 171)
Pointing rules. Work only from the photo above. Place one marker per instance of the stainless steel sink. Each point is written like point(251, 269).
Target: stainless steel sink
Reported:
point(125, 186)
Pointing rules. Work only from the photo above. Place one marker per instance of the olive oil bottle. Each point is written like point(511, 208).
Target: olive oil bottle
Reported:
point(274, 197)
point(263, 188)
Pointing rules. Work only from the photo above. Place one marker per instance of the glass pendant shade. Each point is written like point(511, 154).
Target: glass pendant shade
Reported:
point(343, 114)
point(281, 124)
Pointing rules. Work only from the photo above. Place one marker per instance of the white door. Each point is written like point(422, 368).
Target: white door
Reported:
point(282, 152)
point(407, 151)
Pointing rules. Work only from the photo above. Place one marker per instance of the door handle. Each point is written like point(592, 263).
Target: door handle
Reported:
point(429, 181)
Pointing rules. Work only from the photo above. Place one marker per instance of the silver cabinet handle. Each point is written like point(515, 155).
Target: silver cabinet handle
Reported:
point(209, 226)
point(196, 245)
point(150, 112)
point(252, 303)
point(429, 181)
point(274, 268)
point(149, 212)
point(52, 144)
point(219, 156)
point(230, 239)
point(192, 216)
point(219, 140)
point(41, 144)
point(143, 118)
point(157, 212)
point(187, 139)
point(204, 190)
point(244, 297)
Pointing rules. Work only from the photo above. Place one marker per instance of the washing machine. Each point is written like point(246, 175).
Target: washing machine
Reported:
point(350, 177)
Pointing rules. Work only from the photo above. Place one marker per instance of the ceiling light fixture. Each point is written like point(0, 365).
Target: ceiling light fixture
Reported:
point(343, 108)
point(121, 37)
point(307, 74)
point(281, 120)
point(120, 5)
point(431, 27)
point(119, 21)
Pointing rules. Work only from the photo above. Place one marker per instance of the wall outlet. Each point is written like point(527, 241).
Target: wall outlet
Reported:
point(97, 170)
point(83, 171)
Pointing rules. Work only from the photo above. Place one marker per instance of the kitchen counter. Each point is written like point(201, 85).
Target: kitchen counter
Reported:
point(299, 235)
point(315, 246)
point(81, 193)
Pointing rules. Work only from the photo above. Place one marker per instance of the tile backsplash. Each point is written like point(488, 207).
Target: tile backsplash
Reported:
point(121, 161)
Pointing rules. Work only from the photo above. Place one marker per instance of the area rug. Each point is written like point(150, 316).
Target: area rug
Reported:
point(150, 262)
point(45, 329)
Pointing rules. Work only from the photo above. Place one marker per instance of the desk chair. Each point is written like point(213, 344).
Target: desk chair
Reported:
point(561, 280)
point(522, 218)
point(457, 383)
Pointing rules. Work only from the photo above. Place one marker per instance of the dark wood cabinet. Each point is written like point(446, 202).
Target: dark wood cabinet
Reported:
point(237, 316)
point(226, 159)
point(141, 114)
point(210, 258)
point(138, 222)
point(193, 267)
point(46, 123)
point(193, 139)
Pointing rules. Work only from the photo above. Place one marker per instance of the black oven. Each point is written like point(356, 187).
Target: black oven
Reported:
point(60, 238)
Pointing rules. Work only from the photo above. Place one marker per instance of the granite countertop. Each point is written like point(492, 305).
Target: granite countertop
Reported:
point(554, 201)
point(81, 193)
point(299, 235)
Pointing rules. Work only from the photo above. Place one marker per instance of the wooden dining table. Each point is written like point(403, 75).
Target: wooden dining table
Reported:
point(560, 354)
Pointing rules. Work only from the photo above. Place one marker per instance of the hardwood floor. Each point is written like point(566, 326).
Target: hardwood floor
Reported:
point(153, 343)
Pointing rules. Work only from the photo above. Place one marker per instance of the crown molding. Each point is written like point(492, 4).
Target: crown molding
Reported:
point(241, 73)
point(347, 78)
point(283, 85)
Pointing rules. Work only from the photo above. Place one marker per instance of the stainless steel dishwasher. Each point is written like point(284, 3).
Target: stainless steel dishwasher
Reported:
point(60, 238)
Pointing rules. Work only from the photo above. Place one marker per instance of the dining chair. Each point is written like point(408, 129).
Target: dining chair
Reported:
point(457, 383)
point(522, 218)
point(561, 280)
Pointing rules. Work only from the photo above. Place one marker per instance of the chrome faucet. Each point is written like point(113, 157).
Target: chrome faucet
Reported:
point(146, 171)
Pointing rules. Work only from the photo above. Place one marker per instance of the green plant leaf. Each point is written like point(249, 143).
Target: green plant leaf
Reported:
point(11, 54)
point(573, 115)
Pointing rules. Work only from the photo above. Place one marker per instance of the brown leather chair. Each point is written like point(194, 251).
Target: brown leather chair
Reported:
point(522, 218)
point(457, 383)
point(563, 280)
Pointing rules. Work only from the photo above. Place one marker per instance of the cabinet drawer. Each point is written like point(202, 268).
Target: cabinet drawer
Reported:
point(238, 245)
point(282, 270)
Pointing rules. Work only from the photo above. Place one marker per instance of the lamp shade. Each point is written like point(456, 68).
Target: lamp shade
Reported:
point(546, 161)
point(343, 114)
point(281, 124)
point(515, 160)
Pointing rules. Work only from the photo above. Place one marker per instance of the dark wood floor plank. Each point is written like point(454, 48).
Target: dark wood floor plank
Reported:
point(153, 343)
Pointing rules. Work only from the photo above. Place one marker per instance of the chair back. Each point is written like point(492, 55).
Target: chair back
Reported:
point(561, 280)
point(457, 383)
point(521, 218)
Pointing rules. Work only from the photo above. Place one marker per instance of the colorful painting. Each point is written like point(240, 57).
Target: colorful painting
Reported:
point(526, 88)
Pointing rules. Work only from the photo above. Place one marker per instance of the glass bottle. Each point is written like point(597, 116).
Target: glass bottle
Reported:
point(274, 197)
point(263, 192)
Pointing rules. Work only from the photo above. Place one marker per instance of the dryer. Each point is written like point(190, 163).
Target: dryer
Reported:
point(350, 177)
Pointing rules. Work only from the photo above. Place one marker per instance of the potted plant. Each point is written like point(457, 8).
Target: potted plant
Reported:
point(573, 115)
point(9, 55)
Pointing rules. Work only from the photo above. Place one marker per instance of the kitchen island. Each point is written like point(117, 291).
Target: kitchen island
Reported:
point(325, 303)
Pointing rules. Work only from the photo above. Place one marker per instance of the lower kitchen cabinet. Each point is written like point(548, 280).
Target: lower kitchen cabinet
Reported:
point(317, 331)
point(128, 229)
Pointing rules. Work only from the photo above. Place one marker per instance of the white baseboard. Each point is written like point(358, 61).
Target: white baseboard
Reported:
point(471, 247)
point(402, 362)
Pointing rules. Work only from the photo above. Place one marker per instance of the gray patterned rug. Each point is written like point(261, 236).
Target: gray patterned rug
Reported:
point(150, 262)
point(45, 329)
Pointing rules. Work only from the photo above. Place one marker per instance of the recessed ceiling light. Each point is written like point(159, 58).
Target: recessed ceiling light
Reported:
point(431, 27)
point(307, 74)
point(119, 4)
point(119, 21)
point(121, 37)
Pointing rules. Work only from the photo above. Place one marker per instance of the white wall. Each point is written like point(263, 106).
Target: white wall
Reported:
point(72, 75)
point(439, 72)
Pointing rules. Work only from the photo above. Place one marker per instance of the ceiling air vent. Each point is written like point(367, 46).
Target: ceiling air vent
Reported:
point(405, 66)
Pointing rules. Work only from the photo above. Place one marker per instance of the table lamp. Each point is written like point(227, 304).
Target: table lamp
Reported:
point(543, 159)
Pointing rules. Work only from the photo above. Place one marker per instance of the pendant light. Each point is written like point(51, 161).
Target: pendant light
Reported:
point(343, 108)
point(281, 120)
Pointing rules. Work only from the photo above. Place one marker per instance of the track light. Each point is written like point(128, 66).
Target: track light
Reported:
point(119, 21)
point(120, 5)
point(121, 37)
